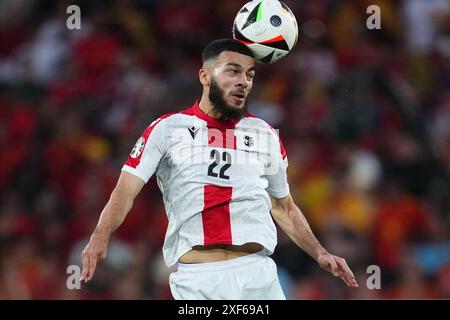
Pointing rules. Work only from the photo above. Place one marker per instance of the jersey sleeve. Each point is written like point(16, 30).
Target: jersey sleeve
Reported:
point(278, 186)
point(147, 152)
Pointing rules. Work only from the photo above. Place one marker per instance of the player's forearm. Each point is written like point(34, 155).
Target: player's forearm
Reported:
point(114, 213)
point(295, 225)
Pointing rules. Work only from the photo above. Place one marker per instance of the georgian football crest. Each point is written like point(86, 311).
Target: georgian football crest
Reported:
point(138, 147)
point(248, 141)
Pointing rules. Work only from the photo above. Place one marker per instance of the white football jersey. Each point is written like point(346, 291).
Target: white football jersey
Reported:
point(215, 176)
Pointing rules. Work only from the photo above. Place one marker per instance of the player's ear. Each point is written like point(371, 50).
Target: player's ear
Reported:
point(204, 76)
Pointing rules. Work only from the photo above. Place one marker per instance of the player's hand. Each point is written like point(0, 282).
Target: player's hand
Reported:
point(94, 252)
point(338, 267)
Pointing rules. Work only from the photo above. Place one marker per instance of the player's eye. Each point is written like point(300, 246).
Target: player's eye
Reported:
point(250, 76)
point(232, 72)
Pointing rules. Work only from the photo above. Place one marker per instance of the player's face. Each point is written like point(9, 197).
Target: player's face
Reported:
point(231, 83)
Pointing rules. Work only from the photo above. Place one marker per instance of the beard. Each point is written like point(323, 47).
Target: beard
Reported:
point(227, 112)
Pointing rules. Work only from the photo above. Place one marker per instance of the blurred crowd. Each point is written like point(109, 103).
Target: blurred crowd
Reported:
point(364, 116)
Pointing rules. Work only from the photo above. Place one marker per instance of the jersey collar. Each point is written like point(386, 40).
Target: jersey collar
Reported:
point(213, 122)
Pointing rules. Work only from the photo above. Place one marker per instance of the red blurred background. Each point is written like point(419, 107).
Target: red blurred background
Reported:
point(364, 116)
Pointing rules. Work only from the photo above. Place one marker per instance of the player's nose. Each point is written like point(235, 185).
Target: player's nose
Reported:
point(242, 81)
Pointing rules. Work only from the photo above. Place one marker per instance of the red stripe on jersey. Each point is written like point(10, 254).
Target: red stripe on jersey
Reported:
point(221, 138)
point(215, 138)
point(230, 139)
point(188, 111)
point(283, 151)
point(134, 161)
point(216, 215)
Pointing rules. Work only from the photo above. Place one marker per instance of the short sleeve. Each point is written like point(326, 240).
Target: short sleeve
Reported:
point(147, 152)
point(278, 186)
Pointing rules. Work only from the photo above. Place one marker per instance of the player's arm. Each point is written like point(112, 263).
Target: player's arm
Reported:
point(137, 170)
point(292, 221)
point(112, 216)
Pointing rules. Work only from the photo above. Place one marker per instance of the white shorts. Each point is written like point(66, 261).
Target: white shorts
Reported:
point(251, 277)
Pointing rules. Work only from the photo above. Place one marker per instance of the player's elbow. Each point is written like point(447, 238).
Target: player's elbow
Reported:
point(284, 204)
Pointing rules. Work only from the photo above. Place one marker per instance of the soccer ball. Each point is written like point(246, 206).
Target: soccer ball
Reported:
point(268, 28)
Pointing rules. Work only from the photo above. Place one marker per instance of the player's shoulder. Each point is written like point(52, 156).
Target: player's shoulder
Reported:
point(171, 118)
point(258, 123)
point(252, 120)
point(156, 123)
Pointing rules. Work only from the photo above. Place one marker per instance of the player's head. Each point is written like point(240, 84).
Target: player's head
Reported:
point(227, 76)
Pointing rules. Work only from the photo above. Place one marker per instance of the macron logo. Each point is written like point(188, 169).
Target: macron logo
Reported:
point(193, 131)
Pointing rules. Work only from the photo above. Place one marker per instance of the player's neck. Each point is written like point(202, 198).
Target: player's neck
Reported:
point(206, 106)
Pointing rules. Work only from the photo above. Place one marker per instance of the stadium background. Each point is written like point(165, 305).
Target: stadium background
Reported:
point(364, 115)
